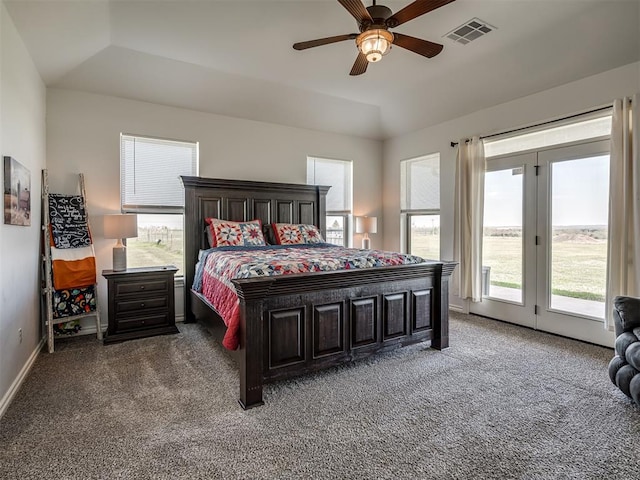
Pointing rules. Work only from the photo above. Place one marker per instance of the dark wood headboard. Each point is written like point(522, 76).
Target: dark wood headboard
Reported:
point(243, 200)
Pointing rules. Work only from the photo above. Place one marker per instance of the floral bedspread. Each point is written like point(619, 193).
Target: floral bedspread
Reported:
point(218, 266)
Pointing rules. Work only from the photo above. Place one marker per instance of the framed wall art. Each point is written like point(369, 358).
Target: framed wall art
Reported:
point(17, 193)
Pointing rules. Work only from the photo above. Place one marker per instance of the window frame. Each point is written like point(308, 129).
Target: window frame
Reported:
point(346, 228)
point(571, 122)
point(407, 225)
point(407, 213)
point(156, 209)
point(347, 215)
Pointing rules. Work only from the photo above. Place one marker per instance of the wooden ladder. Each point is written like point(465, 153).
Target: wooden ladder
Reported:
point(48, 289)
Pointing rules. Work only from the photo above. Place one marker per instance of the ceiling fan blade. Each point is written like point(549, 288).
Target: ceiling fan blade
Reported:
point(414, 10)
point(357, 9)
point(323, 41)
point(360, 65)
point(417, 45)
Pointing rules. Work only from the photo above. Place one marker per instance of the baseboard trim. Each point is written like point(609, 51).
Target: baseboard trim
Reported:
point(15, 386)
point(456, 308)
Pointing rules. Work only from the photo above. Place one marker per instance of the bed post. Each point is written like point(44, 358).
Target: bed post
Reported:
point(251, 296)
point(193, 225)
point(441, 298)
point(321, 206)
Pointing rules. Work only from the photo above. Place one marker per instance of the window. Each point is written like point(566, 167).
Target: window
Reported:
point(587, 129)
point(420, 205)
point(150, 186)
point(338, 175)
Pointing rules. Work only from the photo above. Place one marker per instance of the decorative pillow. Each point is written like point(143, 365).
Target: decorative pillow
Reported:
point(294, 234)
point(239, 234)
point(312, 234)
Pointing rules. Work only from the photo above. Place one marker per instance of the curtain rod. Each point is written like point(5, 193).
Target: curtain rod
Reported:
point(549, 122)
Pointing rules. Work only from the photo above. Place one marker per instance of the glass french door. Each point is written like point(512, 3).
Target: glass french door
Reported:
point(573, 202)
point(508, 248)
point(545, 240)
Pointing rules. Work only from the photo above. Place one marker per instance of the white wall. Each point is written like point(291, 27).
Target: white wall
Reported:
point(568, 99)
point(83, 132)
point(22, 136)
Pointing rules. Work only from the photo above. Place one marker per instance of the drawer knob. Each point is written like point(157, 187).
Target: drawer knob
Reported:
point(141, 287)
point(142, 305)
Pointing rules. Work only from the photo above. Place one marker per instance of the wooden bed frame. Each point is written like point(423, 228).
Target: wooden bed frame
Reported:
point(295, 324)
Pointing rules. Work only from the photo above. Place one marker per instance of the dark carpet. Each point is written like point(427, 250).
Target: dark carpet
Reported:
point(503, 402)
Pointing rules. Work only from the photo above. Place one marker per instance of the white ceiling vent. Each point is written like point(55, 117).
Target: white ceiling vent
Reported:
point(469, 31)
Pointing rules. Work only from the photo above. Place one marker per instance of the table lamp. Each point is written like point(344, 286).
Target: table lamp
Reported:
point(120, 226)
point(366, 225)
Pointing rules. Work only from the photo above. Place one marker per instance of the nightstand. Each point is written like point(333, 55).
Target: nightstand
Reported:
point(141, 303)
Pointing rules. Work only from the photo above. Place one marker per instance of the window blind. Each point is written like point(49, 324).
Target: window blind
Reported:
point(150, 172)
point(560, 133)
point(420, 183)
point(337, 174)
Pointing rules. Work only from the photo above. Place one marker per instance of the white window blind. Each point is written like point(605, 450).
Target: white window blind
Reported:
point(420, 183)
point(150, 170)
point(337, 174)
point(550, 136)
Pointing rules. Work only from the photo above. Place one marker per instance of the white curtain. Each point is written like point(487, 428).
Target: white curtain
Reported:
point(468, 218)
point(623, 262)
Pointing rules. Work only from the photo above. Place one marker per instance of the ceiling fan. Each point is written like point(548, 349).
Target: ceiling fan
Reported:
point(375, 39)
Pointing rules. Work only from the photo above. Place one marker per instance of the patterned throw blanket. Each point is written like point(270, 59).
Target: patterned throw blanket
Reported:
point(217, 266)
point(72, 256)
point(68, 220)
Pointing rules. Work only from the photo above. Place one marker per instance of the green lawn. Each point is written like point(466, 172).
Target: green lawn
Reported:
point(425, 244)
point(578, 267)
point(156, 249)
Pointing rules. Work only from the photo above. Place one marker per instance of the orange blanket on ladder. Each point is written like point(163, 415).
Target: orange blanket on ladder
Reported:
point(72, 256)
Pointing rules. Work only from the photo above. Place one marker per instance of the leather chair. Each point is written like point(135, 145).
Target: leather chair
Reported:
point(624, 368)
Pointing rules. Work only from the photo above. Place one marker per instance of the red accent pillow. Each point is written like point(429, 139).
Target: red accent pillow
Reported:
point(296, 234)
point(225, 233)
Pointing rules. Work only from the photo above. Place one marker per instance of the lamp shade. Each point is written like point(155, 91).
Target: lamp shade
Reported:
point(120, 225)
point(366, 224)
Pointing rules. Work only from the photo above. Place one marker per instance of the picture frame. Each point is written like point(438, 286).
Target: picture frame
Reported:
point(17, 193)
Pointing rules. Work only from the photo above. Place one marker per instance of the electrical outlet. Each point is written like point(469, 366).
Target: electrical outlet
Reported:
point(20, 334)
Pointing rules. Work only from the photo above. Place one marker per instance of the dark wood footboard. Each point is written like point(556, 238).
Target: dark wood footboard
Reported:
point(295, 324)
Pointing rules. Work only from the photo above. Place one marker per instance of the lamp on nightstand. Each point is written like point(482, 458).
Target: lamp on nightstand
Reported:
point(120, 226)
point(366, 225)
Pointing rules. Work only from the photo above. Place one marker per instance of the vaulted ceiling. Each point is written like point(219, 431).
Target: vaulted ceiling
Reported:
point(235, 57)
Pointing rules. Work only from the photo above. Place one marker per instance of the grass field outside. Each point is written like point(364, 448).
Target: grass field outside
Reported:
point(578, 259)
point(425, 243)
point(156, 246)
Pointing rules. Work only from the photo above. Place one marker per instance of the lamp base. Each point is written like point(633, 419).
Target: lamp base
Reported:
point(366, 243)
point(119, 258)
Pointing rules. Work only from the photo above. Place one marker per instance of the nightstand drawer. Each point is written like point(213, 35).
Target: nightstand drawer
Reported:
point(145, 286)
point(139, 305)
point(143, 321)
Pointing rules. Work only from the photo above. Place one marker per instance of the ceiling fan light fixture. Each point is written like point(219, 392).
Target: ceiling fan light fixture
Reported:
point(374, 43)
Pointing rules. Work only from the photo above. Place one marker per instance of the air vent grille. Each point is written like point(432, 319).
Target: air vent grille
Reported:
point(469, 31)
